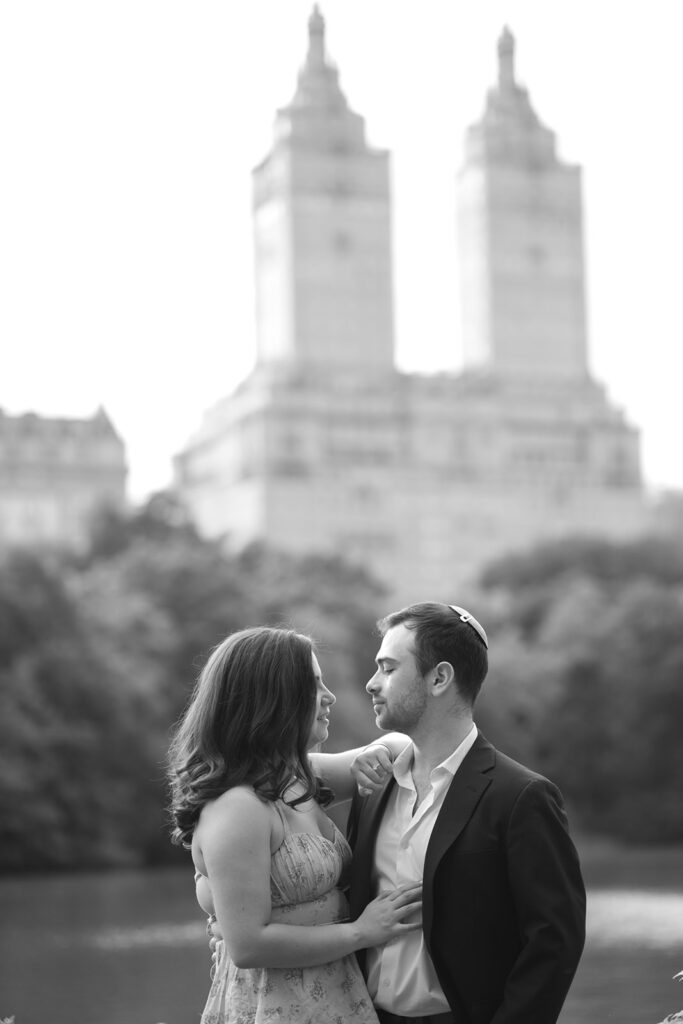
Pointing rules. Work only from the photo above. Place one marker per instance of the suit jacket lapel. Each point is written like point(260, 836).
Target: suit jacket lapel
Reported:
point(469, 784)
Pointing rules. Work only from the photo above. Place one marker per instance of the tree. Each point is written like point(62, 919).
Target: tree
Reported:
point(98, 656)
point(72, 757)
point(589, 643)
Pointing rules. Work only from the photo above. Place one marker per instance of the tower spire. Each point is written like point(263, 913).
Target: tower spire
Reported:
point(322, 216)
point(315, 57)
point(506, 60)
point(318, 80)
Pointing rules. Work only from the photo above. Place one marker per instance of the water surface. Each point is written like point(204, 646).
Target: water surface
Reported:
point(130, 948)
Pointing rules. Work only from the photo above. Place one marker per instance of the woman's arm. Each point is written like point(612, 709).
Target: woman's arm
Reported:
point(365, 767)
point(233, 837)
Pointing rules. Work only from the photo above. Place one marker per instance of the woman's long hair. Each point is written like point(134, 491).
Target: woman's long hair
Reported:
point(248, 721)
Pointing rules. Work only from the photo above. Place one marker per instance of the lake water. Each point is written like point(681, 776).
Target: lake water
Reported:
point(129, 947)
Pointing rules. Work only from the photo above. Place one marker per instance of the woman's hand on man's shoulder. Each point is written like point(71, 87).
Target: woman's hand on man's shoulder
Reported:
point(371, 766)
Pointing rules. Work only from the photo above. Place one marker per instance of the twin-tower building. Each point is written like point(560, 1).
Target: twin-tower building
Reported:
point(327, 447)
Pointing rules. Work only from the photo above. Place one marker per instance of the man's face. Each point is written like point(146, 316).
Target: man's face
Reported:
point(398, 691)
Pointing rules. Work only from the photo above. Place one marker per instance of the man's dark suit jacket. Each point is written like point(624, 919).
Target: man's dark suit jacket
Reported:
point(503, 898)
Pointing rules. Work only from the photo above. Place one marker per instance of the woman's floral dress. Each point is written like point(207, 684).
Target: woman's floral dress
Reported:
point(305, 872)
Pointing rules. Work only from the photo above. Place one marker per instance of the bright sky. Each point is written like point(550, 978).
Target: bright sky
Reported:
point(129, 129)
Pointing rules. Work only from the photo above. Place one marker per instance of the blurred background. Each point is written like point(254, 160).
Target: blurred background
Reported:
point(426, 350)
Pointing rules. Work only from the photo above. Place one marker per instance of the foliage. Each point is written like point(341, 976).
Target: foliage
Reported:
point(72, 753)
point(659, 558)
point(98, 656)
point(587, 678)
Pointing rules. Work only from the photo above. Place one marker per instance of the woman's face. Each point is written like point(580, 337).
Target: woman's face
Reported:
point(323, 702)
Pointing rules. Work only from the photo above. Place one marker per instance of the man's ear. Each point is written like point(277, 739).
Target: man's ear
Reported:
point(443, 677)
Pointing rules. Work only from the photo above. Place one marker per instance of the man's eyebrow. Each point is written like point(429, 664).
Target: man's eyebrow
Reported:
point(385, 659)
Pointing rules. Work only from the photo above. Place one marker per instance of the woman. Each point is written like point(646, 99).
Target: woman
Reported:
point(269, 860)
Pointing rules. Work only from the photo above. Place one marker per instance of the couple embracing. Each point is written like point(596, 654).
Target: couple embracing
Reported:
point(465, 898)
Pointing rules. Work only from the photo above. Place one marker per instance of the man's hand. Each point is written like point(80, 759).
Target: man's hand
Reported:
point(371, 767)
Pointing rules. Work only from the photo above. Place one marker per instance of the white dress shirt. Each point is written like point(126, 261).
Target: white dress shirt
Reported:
point(401, 975)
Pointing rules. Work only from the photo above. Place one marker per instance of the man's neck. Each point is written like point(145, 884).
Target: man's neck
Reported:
point(434, 742)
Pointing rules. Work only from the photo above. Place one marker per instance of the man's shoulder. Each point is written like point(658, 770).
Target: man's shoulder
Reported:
point(506, 769)
point(509, 766)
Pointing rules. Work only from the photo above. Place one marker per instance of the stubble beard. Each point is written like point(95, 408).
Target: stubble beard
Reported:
point(406, 714)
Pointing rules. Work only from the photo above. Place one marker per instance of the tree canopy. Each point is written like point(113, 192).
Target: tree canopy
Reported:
point(98, 655)
point(586, 677)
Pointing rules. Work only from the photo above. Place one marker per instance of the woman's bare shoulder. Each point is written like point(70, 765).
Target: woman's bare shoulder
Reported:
point(233, 829)
point(237, 800)
point(237, 803)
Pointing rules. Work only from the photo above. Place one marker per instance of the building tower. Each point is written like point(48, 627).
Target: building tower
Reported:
point(322, 230)
point(326, 447)
point(520, 240)
point(286, 458)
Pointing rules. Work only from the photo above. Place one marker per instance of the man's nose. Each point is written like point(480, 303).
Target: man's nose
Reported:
point(371, 684)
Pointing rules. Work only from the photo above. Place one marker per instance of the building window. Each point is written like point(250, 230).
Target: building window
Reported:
point(618, 470)
point(537, 255)
point(341, 243)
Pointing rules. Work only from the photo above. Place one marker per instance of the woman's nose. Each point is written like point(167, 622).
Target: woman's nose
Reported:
point(329, 698)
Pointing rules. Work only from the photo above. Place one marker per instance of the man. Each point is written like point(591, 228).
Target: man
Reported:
point(503, 919)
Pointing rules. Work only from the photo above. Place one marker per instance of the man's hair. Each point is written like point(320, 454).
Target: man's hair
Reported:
point(248, 722)
point(441, 635)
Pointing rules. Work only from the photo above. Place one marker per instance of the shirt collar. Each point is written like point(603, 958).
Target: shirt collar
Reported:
point(404, 762)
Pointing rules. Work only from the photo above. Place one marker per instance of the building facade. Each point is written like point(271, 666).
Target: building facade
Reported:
point(54, 474)
point(326, 446)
